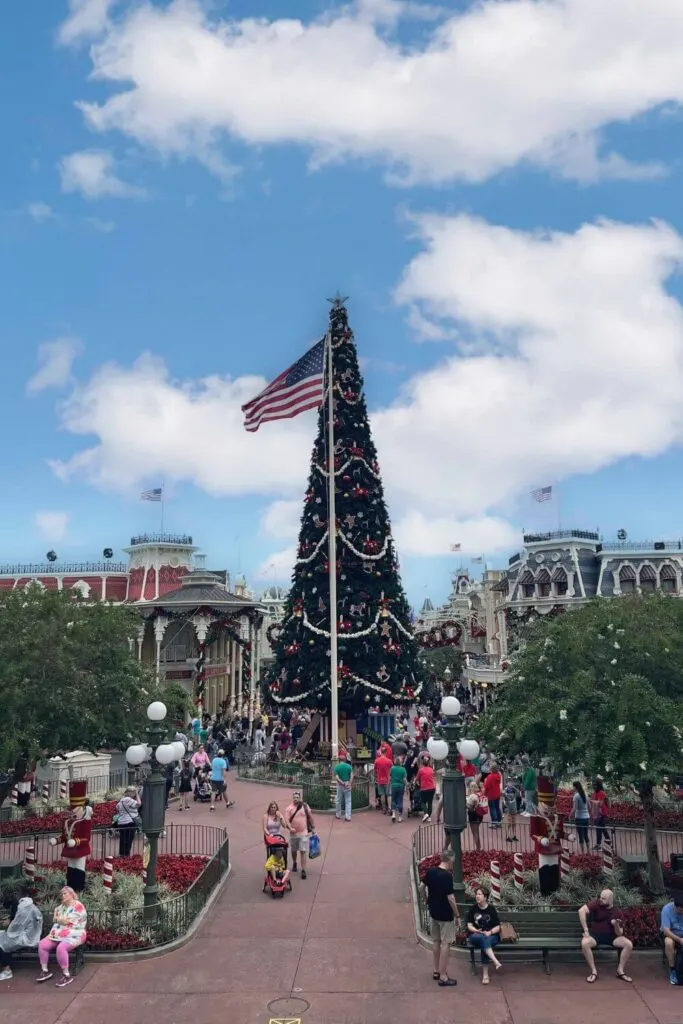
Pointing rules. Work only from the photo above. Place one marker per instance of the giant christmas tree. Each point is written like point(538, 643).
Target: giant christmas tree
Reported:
point(378, 661)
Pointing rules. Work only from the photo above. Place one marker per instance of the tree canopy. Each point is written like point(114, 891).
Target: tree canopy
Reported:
point(599, 689)
point(68, 677)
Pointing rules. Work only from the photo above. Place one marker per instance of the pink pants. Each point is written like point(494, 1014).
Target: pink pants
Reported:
point(45, 947)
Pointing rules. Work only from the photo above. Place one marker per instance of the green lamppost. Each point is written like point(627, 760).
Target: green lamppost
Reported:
point(153, 810)
point(447, 746)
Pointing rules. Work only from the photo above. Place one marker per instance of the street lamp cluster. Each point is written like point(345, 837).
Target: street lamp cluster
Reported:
point(447, 746)
point(153, 809)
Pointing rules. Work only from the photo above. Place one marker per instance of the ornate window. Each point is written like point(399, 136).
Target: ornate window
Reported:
point(560, 582)
point(544, 585)
point(667, 579)
point(627, 579)
point(528, 584)
point(648, 579)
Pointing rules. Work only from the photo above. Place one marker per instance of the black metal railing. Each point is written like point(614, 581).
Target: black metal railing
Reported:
point(537, 538)
point(62, 568)
point(160, 538)
point(643, 545)
point(123, 929)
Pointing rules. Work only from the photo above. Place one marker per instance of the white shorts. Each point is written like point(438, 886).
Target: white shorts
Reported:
point(298, 843)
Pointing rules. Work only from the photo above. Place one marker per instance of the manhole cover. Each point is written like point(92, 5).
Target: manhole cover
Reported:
point(288, 1008)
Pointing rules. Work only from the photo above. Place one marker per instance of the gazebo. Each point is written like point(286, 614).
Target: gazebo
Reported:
point(208, 639)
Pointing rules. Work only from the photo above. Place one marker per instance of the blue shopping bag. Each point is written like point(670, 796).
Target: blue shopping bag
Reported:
point(314, 846)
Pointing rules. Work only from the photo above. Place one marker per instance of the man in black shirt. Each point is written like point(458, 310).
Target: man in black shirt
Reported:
point(444, 919)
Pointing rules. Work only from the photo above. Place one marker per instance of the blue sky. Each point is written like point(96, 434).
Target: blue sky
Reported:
point(183, 187)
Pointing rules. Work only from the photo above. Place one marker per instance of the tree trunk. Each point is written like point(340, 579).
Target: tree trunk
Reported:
point(654, 865)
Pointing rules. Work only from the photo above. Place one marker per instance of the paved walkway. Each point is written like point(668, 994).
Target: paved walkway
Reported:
point(340, 949)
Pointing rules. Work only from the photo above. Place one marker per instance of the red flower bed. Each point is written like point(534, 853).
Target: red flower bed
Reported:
point(176, 870)
point(102, 815)
point(641, 925)
point(475, 862)
point(105, 939)
point(625, 814)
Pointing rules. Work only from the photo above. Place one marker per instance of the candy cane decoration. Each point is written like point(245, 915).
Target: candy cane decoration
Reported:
point(15, 796)
point(607, 855)
point(63, 790)
point(564, 864)
point(495, 881)
point(108, 875)
point(519, 872)
point(30, 862)
point(46, 791)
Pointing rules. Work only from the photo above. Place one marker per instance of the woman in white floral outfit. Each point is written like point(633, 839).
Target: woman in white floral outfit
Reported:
point(67, 932)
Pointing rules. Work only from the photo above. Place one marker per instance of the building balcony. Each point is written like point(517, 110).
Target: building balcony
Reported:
point(63, 568)
point(553, 535)
point(175, 539)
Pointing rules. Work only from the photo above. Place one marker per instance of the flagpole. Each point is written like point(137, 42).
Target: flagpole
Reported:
point(163, 498)
point(332, 541)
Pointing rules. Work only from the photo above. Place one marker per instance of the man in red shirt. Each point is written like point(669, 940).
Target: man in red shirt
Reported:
point(602, 926)
point(382, 770)
point(493, 787)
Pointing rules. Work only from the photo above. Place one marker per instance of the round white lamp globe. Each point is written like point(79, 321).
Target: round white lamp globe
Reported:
point(136, 754)
point(469, 749)
point(450, 706)
point(179, 748)
point(156, 712)
point(438, 749)
point(165, 753)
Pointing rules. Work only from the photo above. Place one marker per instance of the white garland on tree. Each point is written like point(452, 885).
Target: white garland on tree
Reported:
point(353, 458)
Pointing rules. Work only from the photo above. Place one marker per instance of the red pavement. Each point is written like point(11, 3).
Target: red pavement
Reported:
point(339, 949)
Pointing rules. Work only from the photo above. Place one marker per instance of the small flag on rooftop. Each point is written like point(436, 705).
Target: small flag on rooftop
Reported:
point(155, 494)
point(299, 388)
point(456, 547)
point(479, 560)
point(542, 494)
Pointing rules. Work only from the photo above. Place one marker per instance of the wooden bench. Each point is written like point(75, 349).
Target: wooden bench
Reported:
point(76, 958)
point(541, 932)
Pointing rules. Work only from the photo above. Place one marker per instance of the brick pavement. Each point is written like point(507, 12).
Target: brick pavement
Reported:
point(340, 949)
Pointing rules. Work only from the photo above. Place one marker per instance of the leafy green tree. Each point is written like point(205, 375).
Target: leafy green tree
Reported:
point(600, 689)
point(68, 677)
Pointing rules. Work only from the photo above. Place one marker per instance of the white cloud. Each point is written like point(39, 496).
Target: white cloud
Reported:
point(277, 566)
point(55, 362)
point(52, 525)
point(574, 360)
point(103, 226)
point(87, 20)
point(92, 173)
point(40, 212)
point(488, 87)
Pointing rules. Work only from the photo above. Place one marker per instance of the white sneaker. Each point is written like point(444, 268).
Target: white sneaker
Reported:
point(6, 974)
point(425, 817)
point(393, 815)
point(400, 820)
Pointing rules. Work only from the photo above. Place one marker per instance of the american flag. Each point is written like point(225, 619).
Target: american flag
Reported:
point(542, 494)
point(155, 494)
point(300, 387)
point(456, 547)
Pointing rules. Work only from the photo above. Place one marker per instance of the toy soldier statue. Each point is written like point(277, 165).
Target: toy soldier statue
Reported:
point(547, 831)
point(76, 835)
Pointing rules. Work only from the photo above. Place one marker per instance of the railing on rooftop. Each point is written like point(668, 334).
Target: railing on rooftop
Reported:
point(160, 538)
point(514, 558)
point(536, 538)
point(62, 568)
point(643, 545)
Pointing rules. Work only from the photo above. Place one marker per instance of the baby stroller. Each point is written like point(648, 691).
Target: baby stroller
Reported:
point(276, 846)
point(415, 808)
point(202, 788)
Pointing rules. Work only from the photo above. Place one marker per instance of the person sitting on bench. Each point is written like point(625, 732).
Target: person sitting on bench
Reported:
point(601, 923)
point(672, 930)
point(23, 933)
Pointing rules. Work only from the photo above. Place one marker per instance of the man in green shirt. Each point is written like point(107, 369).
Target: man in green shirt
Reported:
point(530, 787)
point(343, 773)
point(398, 778)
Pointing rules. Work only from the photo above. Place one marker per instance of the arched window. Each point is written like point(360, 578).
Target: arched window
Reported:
point(543, 580)
point(627, 579)
point(528, 584)
point(560, 581)
point(648, 579)
point(667, 579)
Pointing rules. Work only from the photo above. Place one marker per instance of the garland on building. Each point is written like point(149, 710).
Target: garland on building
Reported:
point(378, 663)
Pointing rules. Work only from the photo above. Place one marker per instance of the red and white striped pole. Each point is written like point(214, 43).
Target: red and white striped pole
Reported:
point(607, 855)
point(108, 875)
point(63, 790)
point(30, 862)
point(15, 796)
point(495, 881)
point(519, 872)
point(564, 864)
point(46, 791)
